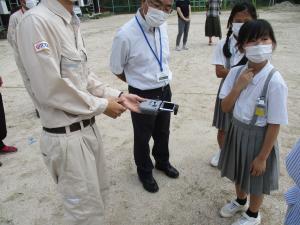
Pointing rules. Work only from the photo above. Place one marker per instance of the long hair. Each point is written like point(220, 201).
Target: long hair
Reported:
point(239, 7)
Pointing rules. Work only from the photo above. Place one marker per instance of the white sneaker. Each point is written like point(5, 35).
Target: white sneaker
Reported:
point(231, 208)
point(178, 48)
point(185, 47)
point(247, 220)
point(215, 159)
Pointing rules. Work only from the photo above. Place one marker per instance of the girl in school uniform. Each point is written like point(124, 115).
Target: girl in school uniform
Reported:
point(226, 56)
point(257, 94)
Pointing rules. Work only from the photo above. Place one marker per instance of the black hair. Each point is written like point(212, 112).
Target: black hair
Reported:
point(239, 7)
point(253, 30)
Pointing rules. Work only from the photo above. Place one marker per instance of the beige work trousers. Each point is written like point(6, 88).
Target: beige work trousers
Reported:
point(76, 163)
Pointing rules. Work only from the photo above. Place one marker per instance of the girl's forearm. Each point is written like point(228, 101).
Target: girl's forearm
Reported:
point(269, 141)
point(229, 101)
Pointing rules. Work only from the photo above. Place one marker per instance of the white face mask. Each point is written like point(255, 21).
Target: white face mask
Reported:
point(155, 17)
point(259, 53)
point(30, 3)
point(236, 28)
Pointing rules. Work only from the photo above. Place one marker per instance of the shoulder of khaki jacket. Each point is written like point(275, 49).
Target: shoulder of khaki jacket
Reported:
point(41, 28)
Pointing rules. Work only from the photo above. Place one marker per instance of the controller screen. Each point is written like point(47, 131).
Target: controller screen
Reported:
point(168, 106)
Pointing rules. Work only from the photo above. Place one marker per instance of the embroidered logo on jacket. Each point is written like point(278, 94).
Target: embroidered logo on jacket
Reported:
point(40, 46)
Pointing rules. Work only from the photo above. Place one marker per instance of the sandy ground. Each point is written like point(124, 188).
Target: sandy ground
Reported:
point(29, 197)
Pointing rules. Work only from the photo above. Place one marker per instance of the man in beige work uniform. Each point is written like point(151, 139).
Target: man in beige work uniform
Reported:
point(68, 96)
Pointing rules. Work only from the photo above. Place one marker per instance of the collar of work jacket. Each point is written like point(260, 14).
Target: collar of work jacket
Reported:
point(57, 8)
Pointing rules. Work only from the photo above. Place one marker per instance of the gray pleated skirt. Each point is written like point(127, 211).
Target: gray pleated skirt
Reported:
point(213, 27)
point(242, 144)
point(221, 120)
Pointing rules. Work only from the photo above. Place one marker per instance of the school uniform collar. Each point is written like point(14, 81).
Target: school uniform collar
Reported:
point(58, 9)
point(143, 22)
point(262, 73)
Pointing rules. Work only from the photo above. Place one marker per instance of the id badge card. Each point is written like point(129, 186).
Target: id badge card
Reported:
point(162, 76)
point(260, 109)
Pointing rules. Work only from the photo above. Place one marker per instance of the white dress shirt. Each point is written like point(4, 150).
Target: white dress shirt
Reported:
point(220, 59)
point(276, 98)
point(132, 55)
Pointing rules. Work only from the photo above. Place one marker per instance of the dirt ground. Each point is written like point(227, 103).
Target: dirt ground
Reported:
point(28, 195)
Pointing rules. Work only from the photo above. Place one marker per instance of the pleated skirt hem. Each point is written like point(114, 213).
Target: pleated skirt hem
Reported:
point(221, 120)
point(242, 144)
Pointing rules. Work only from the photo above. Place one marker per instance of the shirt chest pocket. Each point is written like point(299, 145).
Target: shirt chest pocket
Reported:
point(73, 67)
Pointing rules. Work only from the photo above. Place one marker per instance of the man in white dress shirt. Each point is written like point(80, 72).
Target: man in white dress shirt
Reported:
point(140, 55)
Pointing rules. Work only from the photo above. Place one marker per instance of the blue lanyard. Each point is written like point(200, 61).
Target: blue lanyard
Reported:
point(158, 60)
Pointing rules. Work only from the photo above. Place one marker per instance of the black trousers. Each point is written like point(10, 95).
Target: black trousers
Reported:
point(3, 131)
point(147, 126)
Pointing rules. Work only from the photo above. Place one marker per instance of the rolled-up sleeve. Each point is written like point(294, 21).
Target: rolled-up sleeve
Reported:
point(99, 89)
point(119, 53)
point(42, 67)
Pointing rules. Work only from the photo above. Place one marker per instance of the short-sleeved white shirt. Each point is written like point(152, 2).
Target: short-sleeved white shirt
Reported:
point(132, 55)
point(220, 59)
point(276, 97)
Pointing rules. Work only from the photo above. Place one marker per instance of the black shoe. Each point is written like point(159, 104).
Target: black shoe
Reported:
point(0, 163)
point(168, 169)
point(149, 184)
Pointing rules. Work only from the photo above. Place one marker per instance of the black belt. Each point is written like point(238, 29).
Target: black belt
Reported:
point(73, 127)
point(160, 89)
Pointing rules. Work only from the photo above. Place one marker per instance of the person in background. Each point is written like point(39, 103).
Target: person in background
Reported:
point(183, 8)
point(3, 131)
point(140, 57)
point(15, 18)
point(292, 196)
point(212, 22)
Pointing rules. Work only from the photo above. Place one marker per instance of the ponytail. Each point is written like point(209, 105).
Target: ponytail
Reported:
point(226, 47)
